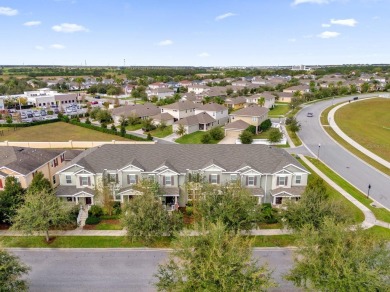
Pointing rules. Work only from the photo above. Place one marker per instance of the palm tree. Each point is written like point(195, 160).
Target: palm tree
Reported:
point(79, 81)
point(261, 101)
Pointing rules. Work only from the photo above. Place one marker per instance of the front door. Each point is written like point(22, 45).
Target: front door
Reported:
point(88, 201)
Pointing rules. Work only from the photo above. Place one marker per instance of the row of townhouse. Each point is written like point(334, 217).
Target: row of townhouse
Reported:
point(271, 174)
point(23, 163)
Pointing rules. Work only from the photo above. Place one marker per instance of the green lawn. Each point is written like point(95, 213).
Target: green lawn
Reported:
point(279, 110)
point(194, 138)
point(379, 232)
point(262, 135)
point(162, 133)
point(380, 213)
point(56, 132)
point(133, 127)
point(121, 242)
point(358, 215)
point(294, 137)
point(368, 123)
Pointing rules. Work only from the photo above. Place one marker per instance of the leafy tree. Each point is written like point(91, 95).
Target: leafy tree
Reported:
point(146, 219)
point(10, 199)
point(104, 116)
point(181, 130)
point(79, 81)
point(246, 137)
point(336, 258)
point(9, 120)
point(234, 206)
point(123, 131)
point(215, 260)
point(147, 125)
point(264, 126)
point(294, 125)
point(313, 207)
point(11, 272)
point(217, 133)
point(40, 183)
point(261, 101)
point(103, 193)
point(206, 138)
point(40, 212)
point(275, 135)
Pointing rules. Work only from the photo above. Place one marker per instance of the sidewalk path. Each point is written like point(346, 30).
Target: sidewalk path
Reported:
point(359, 147)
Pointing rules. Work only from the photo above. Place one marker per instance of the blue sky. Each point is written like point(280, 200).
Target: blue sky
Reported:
point(194, 32)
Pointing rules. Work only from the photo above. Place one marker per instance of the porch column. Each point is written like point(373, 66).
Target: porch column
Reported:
point(259, 201)
point(77, 200)
point(92, 201)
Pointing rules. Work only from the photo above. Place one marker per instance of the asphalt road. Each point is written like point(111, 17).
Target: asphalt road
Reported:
point(340, 160)
point(118, 269)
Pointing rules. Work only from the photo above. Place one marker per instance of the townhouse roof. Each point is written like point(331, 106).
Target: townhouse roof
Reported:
point(162, 90)
point(298, 87)
point(180, 105)
point(212, 106)
point(251, 111)
point(266, 94)
point(162, 117)
point(263, 158)
point(25, 160)
point(138, 110)
point(235, 100)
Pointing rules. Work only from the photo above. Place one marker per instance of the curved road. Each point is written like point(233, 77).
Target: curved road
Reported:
point(336, 157)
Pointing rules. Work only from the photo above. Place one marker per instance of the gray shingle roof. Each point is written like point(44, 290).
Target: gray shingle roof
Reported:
point(183, 157)
point(211, 107)
point(252, 111)
point(69, 191)
point(24, 160)
point(201, 118)
point(138, 110)
point(237, 125)
point(180, 105)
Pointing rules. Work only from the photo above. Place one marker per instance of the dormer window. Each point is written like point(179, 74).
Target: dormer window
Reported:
point(281, 181)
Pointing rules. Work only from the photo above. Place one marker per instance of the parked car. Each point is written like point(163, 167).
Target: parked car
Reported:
point(30, 115)
point(94, 102)
point(37, 114)
point(23, 115)
point(97, 96)
point(355, 98)
point(56, 111)
point(43, 113)
point(310, 115)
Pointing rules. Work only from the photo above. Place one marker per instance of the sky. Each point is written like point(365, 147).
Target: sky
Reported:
point(194, 32)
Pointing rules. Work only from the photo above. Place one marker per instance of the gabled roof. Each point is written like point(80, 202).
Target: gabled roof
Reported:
point(213, 162)
point(162, 117)
point(201, 118)
point(215, 107)
point(251, 111)
point(137, 110)
point(237, 125)
point(180, 105)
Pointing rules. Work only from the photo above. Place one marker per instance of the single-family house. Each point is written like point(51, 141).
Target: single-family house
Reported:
point(235, 102)
point(163, 118)
point(215, 110)
point(252, 114)
point(269, 173)
point(180, 109)
point(298, 88)
point(157, 85)
point(199, 122)
point(160, 93)
point(285, 96)
point(142, 111)
point(23, 163)
point(185, 83)
point(269, 99)
point(198, 89)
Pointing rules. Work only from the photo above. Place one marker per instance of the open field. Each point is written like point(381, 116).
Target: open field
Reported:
point(368, 123)
point(56, 132)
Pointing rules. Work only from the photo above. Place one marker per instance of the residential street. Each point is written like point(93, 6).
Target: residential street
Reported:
point(340, 160)
point(118, 269)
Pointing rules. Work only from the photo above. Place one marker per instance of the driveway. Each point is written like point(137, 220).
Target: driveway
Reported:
point(230, 138)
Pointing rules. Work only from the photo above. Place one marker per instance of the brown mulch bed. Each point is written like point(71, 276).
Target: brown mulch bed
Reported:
point(4, 226)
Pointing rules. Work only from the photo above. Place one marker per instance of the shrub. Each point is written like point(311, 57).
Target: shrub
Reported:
point(50, 113)
point(117, 208)
point(246, 137)
point(149, 137)
point(92, 220)
point(103, 125)
point(264, 126)
point(24, 125)
point(88, 121)
point(206, 138)
point(113, 127)
point(251, 129)
point(217, 133)
point(95, 211)
point(189, 211)
point(269, 214)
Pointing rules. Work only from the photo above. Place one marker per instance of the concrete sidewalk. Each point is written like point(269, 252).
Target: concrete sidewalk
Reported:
point(342, 135)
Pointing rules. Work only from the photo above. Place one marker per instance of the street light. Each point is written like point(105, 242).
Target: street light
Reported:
point(318, 153)
point(368, 192)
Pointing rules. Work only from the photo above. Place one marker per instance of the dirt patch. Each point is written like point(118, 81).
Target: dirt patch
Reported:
point(4, 226)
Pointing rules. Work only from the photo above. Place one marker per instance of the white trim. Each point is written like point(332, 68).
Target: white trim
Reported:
point(213, 165)
point(89, 173)
point(70, 166)
point(168, 169)
point(305, 171)
point(251, 170)
point(123, 169)
point(5, 167)
point(284, 170)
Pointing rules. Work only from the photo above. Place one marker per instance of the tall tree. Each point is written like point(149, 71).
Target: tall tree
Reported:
point(261, 101)
point(79, 81)
point(40, 183)
point(336, 258)
point(181, 130)
point(10, 199)
point(12, 271)
point(40, 212)
point(214, 260)
point(275, 136)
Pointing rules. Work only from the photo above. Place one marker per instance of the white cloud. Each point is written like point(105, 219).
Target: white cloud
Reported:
point(346, 22)
point(7, 11)
point(204, 55)
point(226, 15)
point(32, 23)
point(297, 2)
point(165, 43)
point(69, 27)
point(325, 25)
point(39, 48)
point(328, 34)
point(292, 40)
point(57, 46)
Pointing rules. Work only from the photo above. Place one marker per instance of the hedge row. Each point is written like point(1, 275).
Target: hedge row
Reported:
point(107, 131)
point(24, 125)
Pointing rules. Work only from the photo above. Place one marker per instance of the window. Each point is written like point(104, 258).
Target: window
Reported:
point(214, 178)
point(298, 179)
point(62, 157)
point(68, 179)
point(254, 119)
point(131, 179)
point(168, 181)
point(233, 178)
point(54, 179)
point(84, 181)
point(112, 177)
point(69, 199)
point(281, 181)
point(54, 162)
point(278, 200)
point(1, 183)
point(251, 181)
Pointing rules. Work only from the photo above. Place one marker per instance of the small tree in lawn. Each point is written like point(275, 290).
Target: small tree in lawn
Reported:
point(40, 212)
point(214, 260)
point(217, 133)
point(181, 130)
point(294, 125)
point(261, 101)
point(11, 199)
point(274, 136)
point(104, 194)
point(39, 183)
point(246, 137)
point(337, 258)
point(12, 271)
